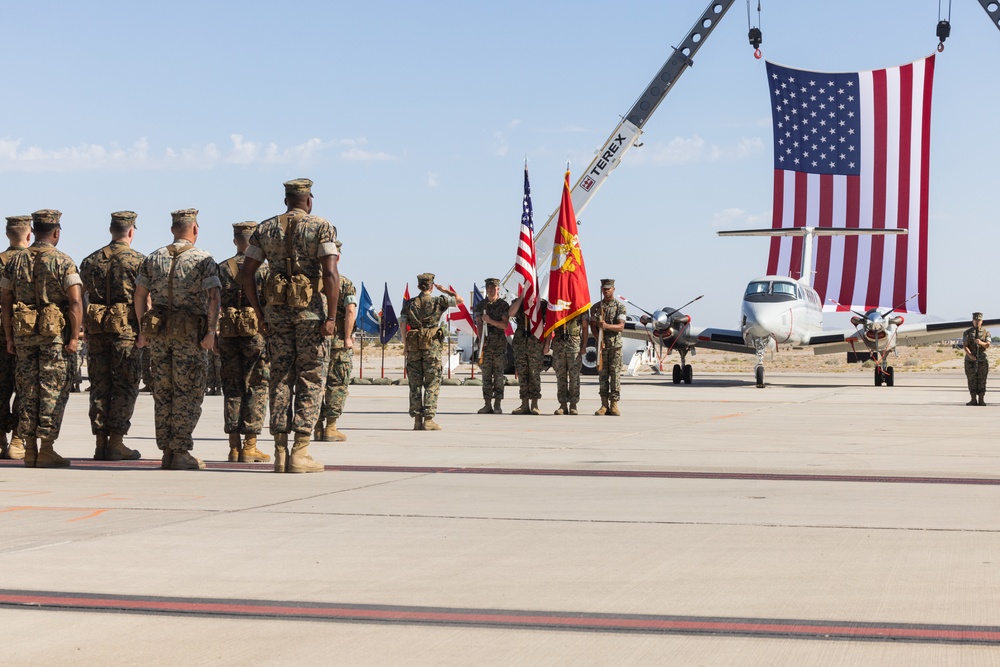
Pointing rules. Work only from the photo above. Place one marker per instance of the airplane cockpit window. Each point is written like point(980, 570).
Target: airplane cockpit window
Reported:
point(762, 287)
point(784, 288)
point(765, 290)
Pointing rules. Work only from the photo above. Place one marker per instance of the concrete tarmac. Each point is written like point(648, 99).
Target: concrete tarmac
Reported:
point(819, 521)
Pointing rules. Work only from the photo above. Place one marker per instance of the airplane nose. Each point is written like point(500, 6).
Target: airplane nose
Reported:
point(762, 322)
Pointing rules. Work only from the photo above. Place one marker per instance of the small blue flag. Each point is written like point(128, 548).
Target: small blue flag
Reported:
point(367, 317)
point(389, 324)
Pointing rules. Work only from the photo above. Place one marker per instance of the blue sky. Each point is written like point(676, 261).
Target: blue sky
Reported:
point(414, 120)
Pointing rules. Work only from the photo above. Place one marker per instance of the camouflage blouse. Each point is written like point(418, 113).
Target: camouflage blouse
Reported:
point(55, 274)
point(196, 273)
point(123, 264)
point(614, 312)
point(231, 297)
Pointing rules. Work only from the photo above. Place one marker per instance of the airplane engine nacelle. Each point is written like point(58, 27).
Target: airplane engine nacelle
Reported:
point(856, 321)
point(896, 320)
point(682, 319)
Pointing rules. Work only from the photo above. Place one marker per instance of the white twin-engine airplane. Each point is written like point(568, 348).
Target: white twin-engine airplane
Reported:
point(779, 310)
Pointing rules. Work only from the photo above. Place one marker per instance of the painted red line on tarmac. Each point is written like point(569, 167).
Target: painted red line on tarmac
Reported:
point(564, 472)
point(506, 618)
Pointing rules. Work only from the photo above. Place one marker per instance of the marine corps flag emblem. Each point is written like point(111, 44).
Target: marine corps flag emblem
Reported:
point(569, 294)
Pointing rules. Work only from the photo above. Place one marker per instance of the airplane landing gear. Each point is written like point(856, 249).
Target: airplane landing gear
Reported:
point(887, 375)
point(688, 373)
point(878, 376)
point(759, 346)
point(759, 375)
point(677, 374)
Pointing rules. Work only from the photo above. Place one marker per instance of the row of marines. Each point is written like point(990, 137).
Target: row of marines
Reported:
point(176, 301)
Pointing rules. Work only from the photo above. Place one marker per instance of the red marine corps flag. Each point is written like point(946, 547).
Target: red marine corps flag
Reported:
point(569, 294)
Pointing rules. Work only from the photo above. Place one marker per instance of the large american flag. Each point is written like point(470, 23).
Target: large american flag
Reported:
point(853, 150)
point(525, 264)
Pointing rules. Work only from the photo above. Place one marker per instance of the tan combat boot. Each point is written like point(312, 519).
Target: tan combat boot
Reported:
point(15, 450)
point(982, 399)
point(47, 456)
point(604, 406)
point(418, 423)
point(534, 407)
point(486, 409)
point(250, 453)
point(184, 460)
point(613, 410)
point(167, 459)
point(101, 448)
point(523, 409)
point(299, 460)
point(331, 434)
point(573, 410)
point(318, 431)
point(973, 401)
point(562, 410)
point(496, 407)
point(234, 447)
point(431, 425)
point(117, 451)
point(30, 451)
point(280, 451)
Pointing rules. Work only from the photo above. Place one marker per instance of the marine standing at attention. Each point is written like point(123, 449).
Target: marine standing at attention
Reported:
point(608, 316)
point(242, 357)
point(338, 376)
point(422, 348)
point(302, 255)
point(182, 284)
point(19, 235)
point(568, 344)
point(492, 312)
point(976, 340)
point(527, 359)
point(109, 277)
point(42, 315)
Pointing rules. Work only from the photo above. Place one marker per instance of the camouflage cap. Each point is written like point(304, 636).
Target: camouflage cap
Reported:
point(18, 221)
point(493, 282)
point(125, 218)
point(244, 228)
point(977, 315)
point(607, 283)
point(425, 278)
point(184, 215)
point(46, 216)
point(298, 186)
point(339, 243)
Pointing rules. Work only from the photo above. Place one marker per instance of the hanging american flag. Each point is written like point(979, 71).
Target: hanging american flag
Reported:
point(853, 150)
point(525, 264)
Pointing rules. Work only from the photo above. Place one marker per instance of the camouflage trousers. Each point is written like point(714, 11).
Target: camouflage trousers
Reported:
point(566, 361)
point(8, 412)
point(113, 367)
point(245, 375)
point(977, 378)
point(178, 391)
point(300, 358)
point(493, 366)
point(528, 364)
point(42, 382)
point(611, 373)
point(337, 380)
point(147, 372)
point(423, 369)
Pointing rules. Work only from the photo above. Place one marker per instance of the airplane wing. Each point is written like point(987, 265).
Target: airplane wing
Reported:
point(727, 340)
point(908, 334)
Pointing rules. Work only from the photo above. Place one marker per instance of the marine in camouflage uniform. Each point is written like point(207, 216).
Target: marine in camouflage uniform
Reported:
point(568, 344)
point(242, 356)
point(609, 315)
point(493, 313)
point(19, 234)
point(43, 308)
point(423, 349)
point(109, 276)
point(338, 376)
point(976, 340)
point(527, 359)
point(182, 282)
point(302, 254)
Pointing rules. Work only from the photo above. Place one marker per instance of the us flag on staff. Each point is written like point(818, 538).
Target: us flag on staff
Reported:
point(853, 150)
point(525, 264)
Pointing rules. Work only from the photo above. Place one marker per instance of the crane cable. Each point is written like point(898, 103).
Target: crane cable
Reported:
point(943, 26)
point(754, 35)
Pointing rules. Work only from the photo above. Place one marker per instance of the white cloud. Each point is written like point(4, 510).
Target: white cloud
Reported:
point(685, 150)
point(737, 218)
point(15, 156)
